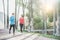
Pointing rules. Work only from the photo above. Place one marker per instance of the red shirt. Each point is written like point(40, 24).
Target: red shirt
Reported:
point(21, 20)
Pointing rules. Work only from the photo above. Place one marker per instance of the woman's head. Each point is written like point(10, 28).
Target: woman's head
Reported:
point(22, 15)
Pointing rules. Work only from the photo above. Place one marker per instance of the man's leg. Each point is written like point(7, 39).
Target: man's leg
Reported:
point(13, 29)
point(10, 29)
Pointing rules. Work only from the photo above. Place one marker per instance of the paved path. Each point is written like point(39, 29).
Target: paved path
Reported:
point(3, 32)
point(23, 36)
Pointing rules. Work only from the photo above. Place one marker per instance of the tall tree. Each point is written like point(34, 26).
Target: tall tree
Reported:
point(33, 8)
point(4, 11)
point(7, 13)
point(16, 20)
point(58, 18)
point(54, 22)
point(31, 15)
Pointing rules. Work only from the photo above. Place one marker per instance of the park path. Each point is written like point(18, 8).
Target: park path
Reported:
point(21, 36)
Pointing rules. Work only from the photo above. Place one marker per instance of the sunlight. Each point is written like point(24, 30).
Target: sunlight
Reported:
point(48, 8)
point(48, 5)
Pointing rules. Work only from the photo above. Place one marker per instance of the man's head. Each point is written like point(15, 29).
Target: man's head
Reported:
point(12, 13)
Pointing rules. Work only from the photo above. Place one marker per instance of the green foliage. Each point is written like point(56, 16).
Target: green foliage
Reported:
point(51, 19)
point(49, 25)
point(50, 16)
point(27, 15)
point(50, 36)
point(37, 22)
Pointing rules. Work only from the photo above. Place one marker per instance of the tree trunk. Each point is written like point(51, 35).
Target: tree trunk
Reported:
point(4, 12)
point(31, 15)
point(44, 23)
point(7, 14)
point(54, 23)
point(23, 9)
point(18, 12)
point(58, 19)
point(15, 14)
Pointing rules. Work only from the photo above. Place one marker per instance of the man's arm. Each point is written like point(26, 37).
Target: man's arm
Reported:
point(9, 18)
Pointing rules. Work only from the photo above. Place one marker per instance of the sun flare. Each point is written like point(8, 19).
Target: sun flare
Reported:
point(48, 5)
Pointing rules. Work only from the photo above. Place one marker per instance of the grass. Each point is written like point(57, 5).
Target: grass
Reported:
point(23, 31)
point(50, 36)
point(45, 35)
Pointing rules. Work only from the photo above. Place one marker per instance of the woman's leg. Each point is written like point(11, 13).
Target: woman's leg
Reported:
point(21, 26)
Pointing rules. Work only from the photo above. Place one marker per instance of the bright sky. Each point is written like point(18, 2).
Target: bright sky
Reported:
point(46, 4)
point(1, 6)
point(11, 6)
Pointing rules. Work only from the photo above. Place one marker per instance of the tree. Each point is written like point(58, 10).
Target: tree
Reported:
point(58, 18)
point(16, 13)
point(4, 11)
point(38, 24)
point(33, 12)
point(7, 13)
